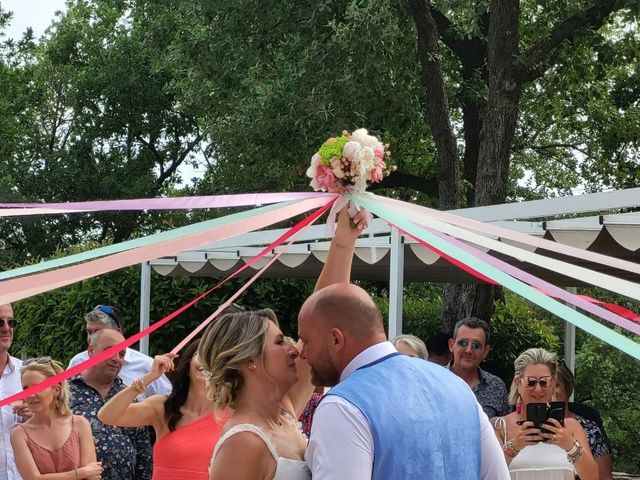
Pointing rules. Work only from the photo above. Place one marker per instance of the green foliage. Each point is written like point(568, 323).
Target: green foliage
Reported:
point(53, 323)
point(610, 381)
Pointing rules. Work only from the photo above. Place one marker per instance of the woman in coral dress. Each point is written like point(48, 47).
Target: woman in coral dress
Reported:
point(186, 425)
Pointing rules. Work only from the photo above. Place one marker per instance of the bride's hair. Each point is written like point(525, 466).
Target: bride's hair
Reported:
point(227, 345)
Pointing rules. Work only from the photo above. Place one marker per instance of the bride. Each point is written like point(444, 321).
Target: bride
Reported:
point(250, 367)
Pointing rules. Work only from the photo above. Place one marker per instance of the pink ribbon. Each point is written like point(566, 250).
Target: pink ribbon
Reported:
point(170, 203)
point(108, 353)
point(24, 287)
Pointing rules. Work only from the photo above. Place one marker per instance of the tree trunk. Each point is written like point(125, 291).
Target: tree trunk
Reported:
point(437, 108)
point(494, 153)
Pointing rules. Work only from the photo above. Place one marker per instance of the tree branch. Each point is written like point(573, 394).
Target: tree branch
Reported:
point(178, 161)
point(428, 186)
point(593, 17)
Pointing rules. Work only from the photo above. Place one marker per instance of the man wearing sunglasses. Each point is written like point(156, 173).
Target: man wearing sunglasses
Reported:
point(136, 364)
point(10, 383)
point(470, 346)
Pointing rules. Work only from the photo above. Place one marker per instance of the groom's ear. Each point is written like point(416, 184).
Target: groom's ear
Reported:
point(337, 338)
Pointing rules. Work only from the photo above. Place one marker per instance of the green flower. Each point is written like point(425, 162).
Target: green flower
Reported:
point(332, 148)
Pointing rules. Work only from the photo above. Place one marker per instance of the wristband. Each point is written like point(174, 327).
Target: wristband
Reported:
point(139, 386)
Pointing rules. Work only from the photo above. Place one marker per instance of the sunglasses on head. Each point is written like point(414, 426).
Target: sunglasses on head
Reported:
point(38, 360)
point(531, 382)
point(464, 343)
point(11, 322)
point(107, 310)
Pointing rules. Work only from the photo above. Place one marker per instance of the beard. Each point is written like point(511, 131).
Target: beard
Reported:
point(326, 377)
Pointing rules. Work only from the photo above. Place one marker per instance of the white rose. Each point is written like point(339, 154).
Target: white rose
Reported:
point(363, 138)
point(350, 150)
point(366, 160)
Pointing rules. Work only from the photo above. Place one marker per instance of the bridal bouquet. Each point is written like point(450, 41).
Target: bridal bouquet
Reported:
point(349, 163)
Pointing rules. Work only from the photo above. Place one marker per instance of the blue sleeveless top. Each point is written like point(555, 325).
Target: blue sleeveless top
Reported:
point(424, 420)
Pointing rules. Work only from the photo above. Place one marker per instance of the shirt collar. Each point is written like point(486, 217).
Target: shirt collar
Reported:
point(12, 365)
point(367, 356)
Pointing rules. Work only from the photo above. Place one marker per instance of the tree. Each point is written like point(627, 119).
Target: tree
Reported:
point(474, 99)
point(90, 119)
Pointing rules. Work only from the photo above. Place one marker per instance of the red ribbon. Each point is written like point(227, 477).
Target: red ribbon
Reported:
point(108, 353)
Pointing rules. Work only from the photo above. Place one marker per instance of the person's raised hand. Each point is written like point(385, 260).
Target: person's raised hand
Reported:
point(349, 228)
point(161, 364)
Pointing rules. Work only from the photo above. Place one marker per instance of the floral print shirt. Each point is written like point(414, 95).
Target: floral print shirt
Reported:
point(125, 453)
point(597, 442)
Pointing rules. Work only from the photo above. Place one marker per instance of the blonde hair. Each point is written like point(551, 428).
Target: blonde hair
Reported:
point(49, 369)
point(414, 343)
point(227, 345)
point(532, 356)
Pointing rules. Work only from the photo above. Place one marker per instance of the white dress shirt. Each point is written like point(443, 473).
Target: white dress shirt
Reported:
point(135, 365)
point(10, 384)
point(341, 443)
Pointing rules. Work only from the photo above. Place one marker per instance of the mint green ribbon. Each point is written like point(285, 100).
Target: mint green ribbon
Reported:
point(140, 242)
point(570, 315)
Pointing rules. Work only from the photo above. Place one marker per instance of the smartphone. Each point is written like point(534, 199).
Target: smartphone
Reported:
point(539, 413)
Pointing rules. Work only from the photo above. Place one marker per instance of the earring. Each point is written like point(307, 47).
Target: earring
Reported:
point(518, 405)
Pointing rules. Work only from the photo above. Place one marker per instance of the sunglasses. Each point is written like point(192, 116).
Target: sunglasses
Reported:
point(531, 382)
point(106, 310)
point(36, 360)
point(11, 322)
point(475, 344)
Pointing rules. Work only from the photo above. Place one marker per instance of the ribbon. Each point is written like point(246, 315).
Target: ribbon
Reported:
point(580, 320)
point(291, 234)
point(623, 287)
point(102, 356)
point(229, 226)
point(170, 203)
point(500, 232)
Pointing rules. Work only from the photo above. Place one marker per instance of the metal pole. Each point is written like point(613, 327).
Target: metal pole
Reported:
point(570, 341)
point(145, 302)
point(396, 282)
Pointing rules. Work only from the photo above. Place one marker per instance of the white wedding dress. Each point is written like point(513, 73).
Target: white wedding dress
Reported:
point(286, 468)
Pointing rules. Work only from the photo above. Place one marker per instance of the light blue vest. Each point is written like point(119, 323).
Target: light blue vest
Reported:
point(424, 420)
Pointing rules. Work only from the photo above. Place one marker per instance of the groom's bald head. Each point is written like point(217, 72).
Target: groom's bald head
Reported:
point(335, 324)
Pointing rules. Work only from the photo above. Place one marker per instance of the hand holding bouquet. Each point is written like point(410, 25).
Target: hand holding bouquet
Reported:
point(349, 163)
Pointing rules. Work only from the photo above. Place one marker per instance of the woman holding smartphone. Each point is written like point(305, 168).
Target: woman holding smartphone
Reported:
point(556, 453)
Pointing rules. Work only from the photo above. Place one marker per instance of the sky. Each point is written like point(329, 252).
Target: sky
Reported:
point(37, 14)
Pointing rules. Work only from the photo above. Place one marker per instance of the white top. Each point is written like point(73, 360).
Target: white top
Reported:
point(341, 443)
point(10, 384)
point(542, 461)
point(286, 468)
point(135, 365)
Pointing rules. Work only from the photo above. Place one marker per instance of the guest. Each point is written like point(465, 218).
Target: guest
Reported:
point(52, 441)
point(135, 365)
point(411, 345)
point(125, 453)
point(251, 368)
point(387, 415)
point(470, 346)
point(531, 454)
point(595, 435)
point(438, 348)
point(10, 384)
point(186, 425)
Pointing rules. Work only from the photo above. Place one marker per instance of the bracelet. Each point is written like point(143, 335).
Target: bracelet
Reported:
point(509, 449)
point(139, 386)
point(575, 452)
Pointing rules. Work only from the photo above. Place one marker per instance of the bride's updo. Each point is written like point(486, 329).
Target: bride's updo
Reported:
point(227, 345)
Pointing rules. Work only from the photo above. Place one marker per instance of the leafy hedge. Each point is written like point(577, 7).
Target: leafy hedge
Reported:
point(52, 323)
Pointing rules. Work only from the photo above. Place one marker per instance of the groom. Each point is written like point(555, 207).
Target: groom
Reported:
point(388, 415)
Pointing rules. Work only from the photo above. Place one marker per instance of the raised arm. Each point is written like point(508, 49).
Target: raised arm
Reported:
point(121, 412)
point(337, 268)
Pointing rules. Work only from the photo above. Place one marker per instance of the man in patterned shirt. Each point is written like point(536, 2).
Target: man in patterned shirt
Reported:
point(470, 346)
point(125, 453)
